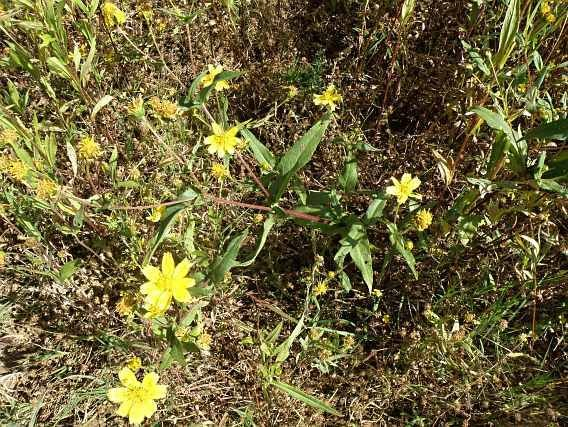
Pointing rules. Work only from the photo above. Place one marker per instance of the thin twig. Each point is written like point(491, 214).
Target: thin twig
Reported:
point(252, 174)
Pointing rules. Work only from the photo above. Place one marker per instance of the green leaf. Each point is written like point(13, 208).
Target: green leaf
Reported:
point(68, 269)
point(476, 58)
point(357, 245)
point(553, 130)
point(262, 154)
point(397, 241)
point(494, 120)
point(498, 151)
point(283, 350)
point(298, 156)
point(304, 397)
point(167, 221)
point(268, 224)
point(228, 260)
point(375, 210)
point(407, 10)
point(509, 31)
point(348, 178)
point(100, 104)
point(558, 167)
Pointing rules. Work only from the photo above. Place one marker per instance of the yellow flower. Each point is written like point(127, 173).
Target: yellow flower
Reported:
point(8, 136)
point(137, 398)
point(321, 288)
point(136, 108)
point(222, 142)
point(409, 245)
point(204, 341)
point(89, 149)
point(331, 97)
point(423, 219)
point(219, 171)
point(292, 91)
point(404, 188)
point(134, 364)
point(113, 15)
point(46, 188)
point(163, 108)
point(125, 305)
point(156, 214)
point(550, 18)
point(208, 79)
point(18, 170)
point(162, 286)
point(258, 218)
point(183, 333)
point(386, 318)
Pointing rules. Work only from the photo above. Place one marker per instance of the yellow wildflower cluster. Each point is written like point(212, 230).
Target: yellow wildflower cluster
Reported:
point(89, 149)
point(136, 398)
point(136, 108)
point(330, 98)
point(219, 171)
point(113, 15)
point(156, 214)
point(8, 136)
point(46, 188)
point(163, 108)
point(209, 78)
point(404, 189)
point(165, 284)
point(546, 11)
point(423, 219)
point(17, 169)
point(222, 142)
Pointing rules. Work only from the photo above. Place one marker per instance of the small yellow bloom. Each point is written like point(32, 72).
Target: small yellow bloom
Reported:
point(321, 288)
point(137, 398)
point(522, 87)
point(8, 136)
point(46, 188)
point(183, 333)
point(125, 305)
point(162, 286)
point(423, 219)
point(348, 342)
point(258, 218)
point(222, 142)
point(550, 18)
point(136, 108)
point(134, 364)
point(204, 341)
point(156, 214)
point(89, 149)
point(331, 97)
point(113, 15)
point(292, 91)
point(386, 318)
point(409, 245)
point(377, 293)
point(404, 188)
point(208, 79)
point(219, 171)
point(18, 170)
point(163, 108)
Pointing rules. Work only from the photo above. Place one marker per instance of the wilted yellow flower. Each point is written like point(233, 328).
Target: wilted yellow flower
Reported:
point(423, 219)
point(258, 218)
point(219, 171)
point(137, 398)
point(208, 79)
point(8, 136)
point(321, 288)
point(134, 364)
point(125, 305)
point(292, 91)
point(183, 333)
point(136, 108)
point(348, 342)
point(156, 214)
point(222, 142)
point(404, 188)
point(18, 169)
point(113, 15)
point(331, 97)
point(162, 286)
point(204, 341)
point(163, 108)
point(46, 188)
point(89, 149)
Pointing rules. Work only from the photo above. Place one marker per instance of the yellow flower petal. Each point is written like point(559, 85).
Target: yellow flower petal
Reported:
point(168, 264)
point(118, 394)
point(181, 294)
point(151, 273)
point(182, 269)
point(141, 409)
point(127, 378)
point(124, 408)
point(217, 129)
